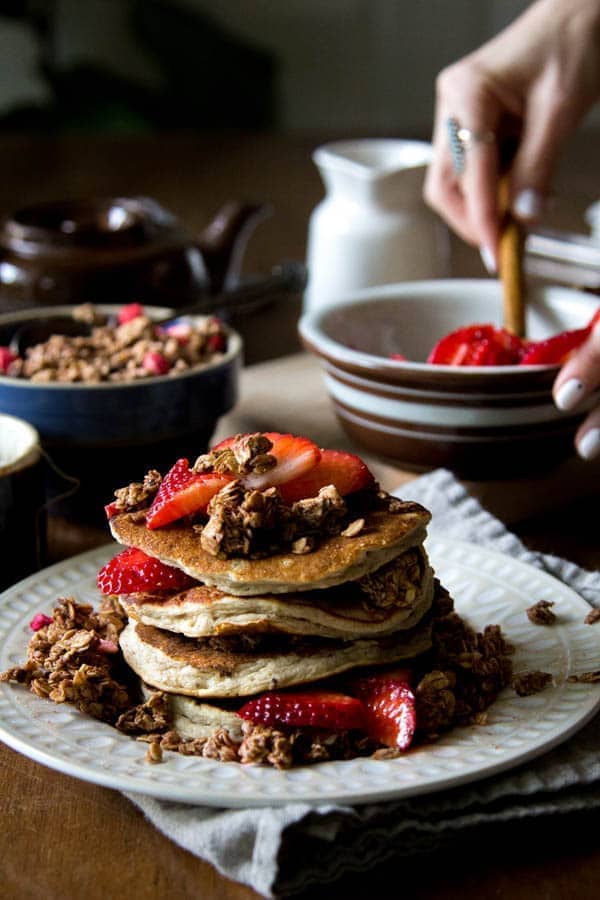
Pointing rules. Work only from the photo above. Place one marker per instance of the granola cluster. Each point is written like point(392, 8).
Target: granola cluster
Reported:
point(248, 453)
point(394, 584)
point(138, 494)
point(541, 613)
point(464, 671)
point(255, 524)
point(528, 683)
point(121, 352)
point(75, 658)
point(281, 748)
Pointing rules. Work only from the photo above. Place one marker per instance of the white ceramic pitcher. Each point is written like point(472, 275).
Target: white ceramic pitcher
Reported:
point(372, 227)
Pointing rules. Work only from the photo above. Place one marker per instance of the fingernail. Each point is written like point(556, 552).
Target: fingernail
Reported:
point(569, 394)
point(528, 204)
point(589, 445)
point(488, 259)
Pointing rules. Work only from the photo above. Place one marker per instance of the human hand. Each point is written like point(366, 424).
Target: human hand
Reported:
point(577, 379)
point(534, 81)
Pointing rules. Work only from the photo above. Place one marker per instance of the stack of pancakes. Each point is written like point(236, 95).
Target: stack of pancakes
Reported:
point(254, 625)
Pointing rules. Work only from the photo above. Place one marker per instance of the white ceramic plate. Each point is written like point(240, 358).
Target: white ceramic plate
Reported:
point(488, 588)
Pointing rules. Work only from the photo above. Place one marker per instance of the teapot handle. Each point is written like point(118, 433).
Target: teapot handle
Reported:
point(223, 241)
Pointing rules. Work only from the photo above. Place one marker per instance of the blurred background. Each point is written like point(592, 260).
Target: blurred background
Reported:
point(198, 102)
point(134, 66)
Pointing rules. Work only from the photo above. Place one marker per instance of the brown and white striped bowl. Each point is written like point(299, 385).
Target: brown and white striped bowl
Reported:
point(482, 422)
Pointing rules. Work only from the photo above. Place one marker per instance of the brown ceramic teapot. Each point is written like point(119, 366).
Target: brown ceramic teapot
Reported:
point(118, 249)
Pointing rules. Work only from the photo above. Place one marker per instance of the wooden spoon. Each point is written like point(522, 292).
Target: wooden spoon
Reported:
point(510, 259)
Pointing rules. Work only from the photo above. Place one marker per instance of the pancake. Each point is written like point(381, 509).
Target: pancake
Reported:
point(338, 612)
point(181, 665)
point(193, 719)
point(337, 558)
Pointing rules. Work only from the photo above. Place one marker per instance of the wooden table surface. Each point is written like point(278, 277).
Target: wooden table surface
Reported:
point(61, 838)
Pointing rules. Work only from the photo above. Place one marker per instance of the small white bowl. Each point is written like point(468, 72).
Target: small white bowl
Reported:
point(483, 422)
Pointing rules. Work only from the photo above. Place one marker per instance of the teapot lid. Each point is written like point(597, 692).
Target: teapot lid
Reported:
point(107, 223)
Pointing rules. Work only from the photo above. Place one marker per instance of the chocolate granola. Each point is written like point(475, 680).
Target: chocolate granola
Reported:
point(528, 683)
point(541, 613)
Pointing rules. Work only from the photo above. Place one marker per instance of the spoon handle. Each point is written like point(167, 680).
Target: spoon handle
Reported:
point(286, 277)
point(510, 258)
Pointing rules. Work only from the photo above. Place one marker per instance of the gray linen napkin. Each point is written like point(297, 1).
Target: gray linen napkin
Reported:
point(259, 847)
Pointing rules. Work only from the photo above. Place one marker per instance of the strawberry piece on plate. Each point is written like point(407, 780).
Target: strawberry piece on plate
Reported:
point(390, 707)
point(183, 493)
point(478, 345)
point(555, 350)
point(132, 571)
point(40, 621)
point(345, 470)
point(295, 456)
point(311, 708)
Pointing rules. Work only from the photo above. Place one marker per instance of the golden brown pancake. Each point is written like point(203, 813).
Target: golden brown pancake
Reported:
point(344, 611)
point(337, 558)
point(197, 668)
point(192, 718)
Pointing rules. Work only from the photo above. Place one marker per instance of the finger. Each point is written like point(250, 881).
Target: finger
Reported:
point(450, 195)
point(443, 193)
point(580, 375)
point(545, 127)
point(587, 439)
point(471, 102)
point(480, 187)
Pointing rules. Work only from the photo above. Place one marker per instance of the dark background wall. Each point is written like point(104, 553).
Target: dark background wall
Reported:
point(136, 65)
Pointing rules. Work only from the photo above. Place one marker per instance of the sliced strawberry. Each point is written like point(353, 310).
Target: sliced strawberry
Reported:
point(452, 349)
point(216, 343)
point(6, 358)
point(183, 493)
point(478, 345)
point(129, 311)
point(133, 570)
point(313, 708)
point(155, 363)
point(390, 707)
point(295, 456)
point(555, 350)
point(345, 470)
point(111, 509)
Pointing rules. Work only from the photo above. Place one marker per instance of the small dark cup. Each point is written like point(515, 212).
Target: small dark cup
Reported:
point(22, 510)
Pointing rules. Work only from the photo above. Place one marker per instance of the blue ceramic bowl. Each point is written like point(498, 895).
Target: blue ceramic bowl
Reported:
point(108, 434)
